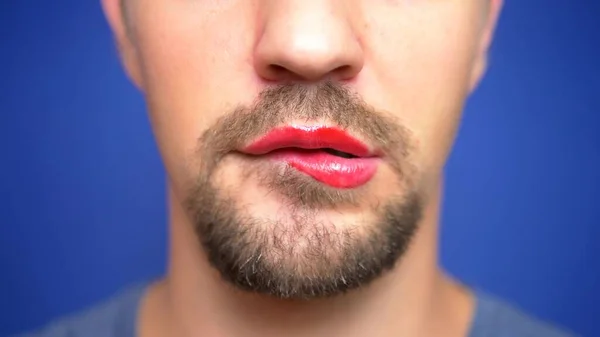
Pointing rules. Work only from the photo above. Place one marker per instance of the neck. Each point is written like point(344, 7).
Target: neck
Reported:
point(414, 299)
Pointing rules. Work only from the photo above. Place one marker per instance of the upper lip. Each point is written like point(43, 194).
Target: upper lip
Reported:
point(308, 137)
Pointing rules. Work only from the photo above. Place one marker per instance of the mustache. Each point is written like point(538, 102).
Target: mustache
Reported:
point(327, 101)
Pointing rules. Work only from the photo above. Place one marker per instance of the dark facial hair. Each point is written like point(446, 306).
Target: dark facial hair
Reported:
point(303, 258)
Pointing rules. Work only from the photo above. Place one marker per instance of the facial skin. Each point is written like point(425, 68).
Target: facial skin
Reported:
point(217, 75)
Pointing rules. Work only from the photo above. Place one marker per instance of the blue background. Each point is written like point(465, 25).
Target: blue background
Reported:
point(82, 209)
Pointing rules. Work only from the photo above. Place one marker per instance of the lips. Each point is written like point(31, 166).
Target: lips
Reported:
point(329, 155)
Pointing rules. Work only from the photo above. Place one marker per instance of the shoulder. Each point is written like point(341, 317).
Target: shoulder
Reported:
point(114, 317)
point(496, 318)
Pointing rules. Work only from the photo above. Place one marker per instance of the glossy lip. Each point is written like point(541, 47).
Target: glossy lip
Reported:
point(329, 169)
point(309, 137)
point(303, 149)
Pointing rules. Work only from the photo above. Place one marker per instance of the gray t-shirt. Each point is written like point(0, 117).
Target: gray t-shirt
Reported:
point(117, 318)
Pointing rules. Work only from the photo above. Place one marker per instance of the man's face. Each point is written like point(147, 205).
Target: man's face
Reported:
point(303, 137)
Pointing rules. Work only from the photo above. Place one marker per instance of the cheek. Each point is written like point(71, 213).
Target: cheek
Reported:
point(195, 70)
point(420, 66)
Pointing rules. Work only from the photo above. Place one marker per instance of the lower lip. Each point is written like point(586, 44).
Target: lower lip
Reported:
point(328, 169)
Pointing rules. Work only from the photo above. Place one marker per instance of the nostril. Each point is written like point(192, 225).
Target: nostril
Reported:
point(277, 69)
point(343, 72)
point(279, 72)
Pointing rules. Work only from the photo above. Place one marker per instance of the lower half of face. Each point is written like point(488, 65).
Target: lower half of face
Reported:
point(272, 228)
point(305, 173)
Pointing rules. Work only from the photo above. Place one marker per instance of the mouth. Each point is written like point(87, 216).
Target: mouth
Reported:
point(328, 155)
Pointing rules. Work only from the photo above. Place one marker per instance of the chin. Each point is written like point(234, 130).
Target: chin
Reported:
point(287, 241)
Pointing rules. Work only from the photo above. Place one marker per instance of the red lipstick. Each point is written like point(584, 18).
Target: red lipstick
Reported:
point(329, 155)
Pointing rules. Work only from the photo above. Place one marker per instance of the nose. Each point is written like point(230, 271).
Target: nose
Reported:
point(307, 40)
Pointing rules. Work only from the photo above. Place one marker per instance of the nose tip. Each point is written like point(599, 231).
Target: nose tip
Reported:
point(307, 44)
point(308, 58)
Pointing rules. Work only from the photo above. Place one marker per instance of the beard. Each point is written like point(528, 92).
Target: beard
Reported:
point(305, 255)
